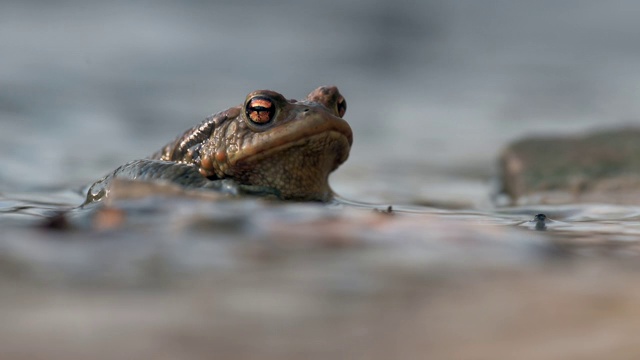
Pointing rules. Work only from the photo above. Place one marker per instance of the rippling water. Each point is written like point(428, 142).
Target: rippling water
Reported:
point(434, 89)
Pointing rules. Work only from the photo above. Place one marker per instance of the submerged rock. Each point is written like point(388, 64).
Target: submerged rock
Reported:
point(600, 167)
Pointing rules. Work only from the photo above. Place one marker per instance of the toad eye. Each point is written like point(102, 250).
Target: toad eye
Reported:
point(260, 110)
point(341, 105)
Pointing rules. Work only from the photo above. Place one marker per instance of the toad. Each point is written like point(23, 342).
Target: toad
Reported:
point(267, 145)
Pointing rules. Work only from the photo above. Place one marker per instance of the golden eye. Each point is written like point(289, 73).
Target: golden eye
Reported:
point(260, 110)
point(341, 105)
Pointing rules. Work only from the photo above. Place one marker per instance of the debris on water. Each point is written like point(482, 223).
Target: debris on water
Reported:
point(57, 221)
point(540, 220)
point(388, 210)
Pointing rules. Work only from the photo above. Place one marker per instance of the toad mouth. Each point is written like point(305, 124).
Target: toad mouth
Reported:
point(296, 134)
point(333, 137)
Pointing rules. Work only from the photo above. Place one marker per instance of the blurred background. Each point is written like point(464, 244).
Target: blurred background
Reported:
point(435, 88)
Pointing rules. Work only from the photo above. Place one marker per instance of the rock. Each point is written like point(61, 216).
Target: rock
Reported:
point(603, 167)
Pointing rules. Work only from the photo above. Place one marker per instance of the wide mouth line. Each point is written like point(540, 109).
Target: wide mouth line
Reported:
point(291, 143)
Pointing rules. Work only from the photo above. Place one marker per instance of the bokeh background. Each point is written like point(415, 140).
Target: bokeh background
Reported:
point(435, 88)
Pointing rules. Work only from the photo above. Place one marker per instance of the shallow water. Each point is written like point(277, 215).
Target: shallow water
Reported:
point(141, 217)
point(434, 89)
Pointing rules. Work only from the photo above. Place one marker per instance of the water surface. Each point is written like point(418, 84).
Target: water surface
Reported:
point(434, 89)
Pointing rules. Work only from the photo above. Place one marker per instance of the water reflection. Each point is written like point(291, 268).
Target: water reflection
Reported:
point(435, 89)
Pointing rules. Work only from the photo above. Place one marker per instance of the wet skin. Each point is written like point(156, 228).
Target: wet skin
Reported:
point(269, 144)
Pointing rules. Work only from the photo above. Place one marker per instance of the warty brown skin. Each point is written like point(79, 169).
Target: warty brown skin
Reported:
point(288, 147)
